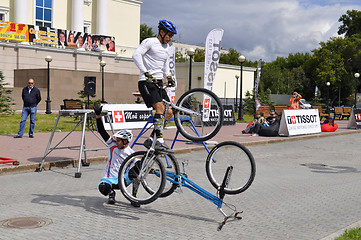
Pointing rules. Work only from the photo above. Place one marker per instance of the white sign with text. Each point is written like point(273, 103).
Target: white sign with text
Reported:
point(126, 116)
point(299, 121)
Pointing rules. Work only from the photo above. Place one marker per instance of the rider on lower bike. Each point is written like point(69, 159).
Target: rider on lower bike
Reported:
point(151, 57)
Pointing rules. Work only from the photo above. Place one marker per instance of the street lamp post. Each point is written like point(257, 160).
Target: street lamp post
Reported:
point(328, 97)
point(241, 59)
point(357, 75)
point(190, 53)
point(236, 104)
point(102, 64)
point(48, 59)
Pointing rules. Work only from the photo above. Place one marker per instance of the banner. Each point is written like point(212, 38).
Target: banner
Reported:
point(257, 84)
point(56, 37)
point(355, 119)
point(43, 35)
point(14, 31)
point(126, 116)
point(228, 116)
point(299, 121)
point(171, 64)
point(212, 55)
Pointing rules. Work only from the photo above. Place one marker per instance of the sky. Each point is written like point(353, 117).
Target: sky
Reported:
point(258, 29)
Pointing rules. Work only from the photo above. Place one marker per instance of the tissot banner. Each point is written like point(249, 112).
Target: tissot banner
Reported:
point(355, 119)
point(299, 121)
point(257, 84)
point(212, 55)
point(171, 64)
point(126, 116)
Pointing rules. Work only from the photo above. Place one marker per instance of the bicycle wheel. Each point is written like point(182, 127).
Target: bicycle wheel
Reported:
point(138, 175)
point(231, 154)
point(172, 169)
point(203, 122)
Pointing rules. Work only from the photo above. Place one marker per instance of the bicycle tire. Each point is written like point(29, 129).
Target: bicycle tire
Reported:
point(234, 154)
point(192, 100)
point(130, 176)
point(172, 168)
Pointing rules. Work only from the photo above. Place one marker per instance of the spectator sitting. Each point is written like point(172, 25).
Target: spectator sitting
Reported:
point(272, 118)
point(329, 125)
point(258, 119)
point(329, 121)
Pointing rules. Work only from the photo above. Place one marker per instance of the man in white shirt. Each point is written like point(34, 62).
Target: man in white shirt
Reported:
point(151, 57)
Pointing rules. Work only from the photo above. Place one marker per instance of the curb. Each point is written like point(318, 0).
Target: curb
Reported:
point(74, 162)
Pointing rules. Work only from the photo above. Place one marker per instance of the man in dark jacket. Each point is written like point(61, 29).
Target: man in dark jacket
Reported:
point(31, 97)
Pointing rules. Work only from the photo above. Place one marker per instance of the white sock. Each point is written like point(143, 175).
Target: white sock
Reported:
point(161, 140)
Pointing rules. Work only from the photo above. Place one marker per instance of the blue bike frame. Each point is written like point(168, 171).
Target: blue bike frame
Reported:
point(185, 182)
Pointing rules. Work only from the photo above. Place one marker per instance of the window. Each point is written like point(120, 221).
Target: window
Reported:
point(43, 13)
point(87, 25)
point(3, 13)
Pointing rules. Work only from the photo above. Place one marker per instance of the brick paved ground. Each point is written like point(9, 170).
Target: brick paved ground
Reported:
point(304, 189)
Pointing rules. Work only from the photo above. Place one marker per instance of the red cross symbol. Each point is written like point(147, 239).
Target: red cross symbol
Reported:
point(293, 118)
point(118, 116)
point(206, 103)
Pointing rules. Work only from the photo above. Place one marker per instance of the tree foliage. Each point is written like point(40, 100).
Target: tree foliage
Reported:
point(5, 99)
point(146, 32)
point(351, 23)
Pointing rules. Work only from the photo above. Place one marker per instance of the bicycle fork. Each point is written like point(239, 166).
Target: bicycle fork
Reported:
point(225, 182)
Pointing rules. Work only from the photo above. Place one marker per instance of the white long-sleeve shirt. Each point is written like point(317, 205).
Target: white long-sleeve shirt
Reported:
point(152, 56)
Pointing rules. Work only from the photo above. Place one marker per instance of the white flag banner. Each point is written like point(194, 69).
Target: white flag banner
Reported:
point(171, 64)
point(257, 84)
point(212, 55)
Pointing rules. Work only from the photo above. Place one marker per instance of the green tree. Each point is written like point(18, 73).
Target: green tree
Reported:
point(351, 23)
point(230, 58)
point(5, 99)
point(199, 55)
point(146, 32)
point(179, 57)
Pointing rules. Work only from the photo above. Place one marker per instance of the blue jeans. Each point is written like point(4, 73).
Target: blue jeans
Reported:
point(24, 115)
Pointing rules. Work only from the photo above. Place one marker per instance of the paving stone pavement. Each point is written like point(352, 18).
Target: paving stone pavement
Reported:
point(305, 189)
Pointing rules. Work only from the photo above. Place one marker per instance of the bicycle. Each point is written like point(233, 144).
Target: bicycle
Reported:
point(230, 168)
point(193, 122)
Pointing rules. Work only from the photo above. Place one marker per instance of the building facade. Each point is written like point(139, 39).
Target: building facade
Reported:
point(118, 19)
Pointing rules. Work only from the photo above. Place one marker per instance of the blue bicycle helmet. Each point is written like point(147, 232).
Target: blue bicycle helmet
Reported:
point(168, 26)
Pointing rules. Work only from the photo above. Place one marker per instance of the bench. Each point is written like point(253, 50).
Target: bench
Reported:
point(72, 104)
point(320, 112)
point(346, 112)
point(279, 109)
point(265, 110)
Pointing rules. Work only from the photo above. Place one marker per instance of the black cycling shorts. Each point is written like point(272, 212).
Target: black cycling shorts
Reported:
point(151, 93)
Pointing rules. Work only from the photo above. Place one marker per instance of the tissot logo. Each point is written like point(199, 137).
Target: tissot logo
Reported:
point(297, 119)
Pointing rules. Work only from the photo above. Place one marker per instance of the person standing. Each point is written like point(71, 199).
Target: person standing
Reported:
point(151, 57)
point(294, 101)
point(31, 98)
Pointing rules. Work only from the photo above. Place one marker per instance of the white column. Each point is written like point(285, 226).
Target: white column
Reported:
point(102, 17)
point(78, 16)
point(21, 11)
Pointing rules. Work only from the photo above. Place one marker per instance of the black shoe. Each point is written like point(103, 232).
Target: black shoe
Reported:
point(17, 136)
point(162, 147)
point(147, 143)
point(31, 136)
point(135, 204)
point(111, 199)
